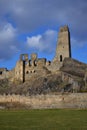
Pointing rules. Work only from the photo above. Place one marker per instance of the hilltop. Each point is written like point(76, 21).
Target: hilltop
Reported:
point(70, 78)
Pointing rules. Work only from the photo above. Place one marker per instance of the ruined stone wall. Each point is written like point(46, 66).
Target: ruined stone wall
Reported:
point(35, 71)
point(33, 67)
point(10, 75)
point(19, 71)
point(54, 66)
point(72, 100)
point(7, 74)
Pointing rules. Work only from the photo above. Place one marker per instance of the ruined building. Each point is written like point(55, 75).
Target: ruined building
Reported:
point(27, 67)
point(63, 45)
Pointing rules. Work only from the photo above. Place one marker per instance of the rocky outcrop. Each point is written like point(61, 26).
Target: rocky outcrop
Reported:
point(74, 67)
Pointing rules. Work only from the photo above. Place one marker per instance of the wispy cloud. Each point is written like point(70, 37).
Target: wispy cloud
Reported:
point(8, 43)
point(45, 42)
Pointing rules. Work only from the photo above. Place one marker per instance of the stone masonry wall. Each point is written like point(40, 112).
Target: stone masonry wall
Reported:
point(74, 100)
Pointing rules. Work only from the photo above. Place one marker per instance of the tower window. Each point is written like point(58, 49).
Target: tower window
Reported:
point(61, 58)
point(0, 72)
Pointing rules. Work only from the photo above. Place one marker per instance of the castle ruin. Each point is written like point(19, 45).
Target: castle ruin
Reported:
point(63, 45)
point(28, 67)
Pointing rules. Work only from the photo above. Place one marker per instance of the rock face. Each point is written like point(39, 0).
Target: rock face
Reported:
point(74, 67)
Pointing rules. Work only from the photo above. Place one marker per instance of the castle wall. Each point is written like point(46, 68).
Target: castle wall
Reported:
point(36, 70)
point(10, 75)
point(73, 100)
point(27, 68)
point(54, 66)
point(7, 74)
point(19, 71)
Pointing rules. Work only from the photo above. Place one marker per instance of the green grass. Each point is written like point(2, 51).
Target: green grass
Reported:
point(43, 119)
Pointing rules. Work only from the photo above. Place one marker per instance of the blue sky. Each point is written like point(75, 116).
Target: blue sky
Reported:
point(28, 26)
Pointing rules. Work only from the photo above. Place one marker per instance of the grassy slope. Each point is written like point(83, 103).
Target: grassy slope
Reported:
point(43, 120)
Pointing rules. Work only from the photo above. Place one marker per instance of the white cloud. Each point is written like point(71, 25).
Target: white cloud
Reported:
point(7, 33)
point(34, 41)
point(8, 43)
point(45, 42)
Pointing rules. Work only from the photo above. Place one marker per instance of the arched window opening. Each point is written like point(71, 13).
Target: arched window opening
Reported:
point(61, 59)
point(34, 71)
point(0, 72)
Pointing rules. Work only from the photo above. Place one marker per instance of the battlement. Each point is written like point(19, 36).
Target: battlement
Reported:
point(63, 29)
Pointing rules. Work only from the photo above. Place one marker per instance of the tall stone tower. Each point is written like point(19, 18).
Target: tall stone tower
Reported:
point(20, 67)
point(63, 45)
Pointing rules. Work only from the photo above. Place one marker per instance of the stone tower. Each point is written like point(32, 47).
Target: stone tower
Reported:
point(63, 45)
point(20, 67)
